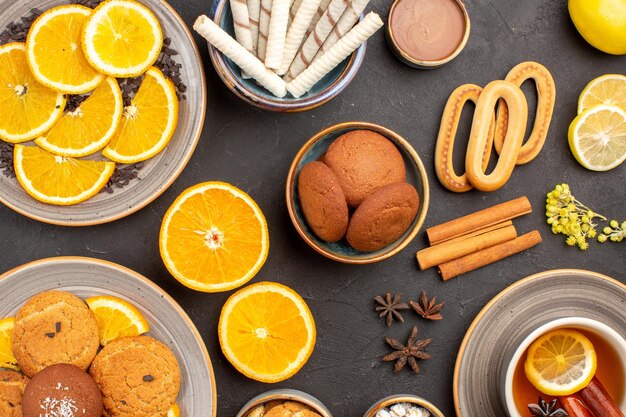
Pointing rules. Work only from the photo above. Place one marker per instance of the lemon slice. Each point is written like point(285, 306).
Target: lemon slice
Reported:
point(122, 38)
point(116, 318)
point(54, 52)
point(148, 123)
point(29, 108)
point(267, 332)
point(90, 126)
point(7, 359)
point(59, 180)
point(597, 137)
point(609, 89)
point(214, 237)
point(560, 362)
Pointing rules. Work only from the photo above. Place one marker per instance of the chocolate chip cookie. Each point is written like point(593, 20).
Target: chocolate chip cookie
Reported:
point(12, 385)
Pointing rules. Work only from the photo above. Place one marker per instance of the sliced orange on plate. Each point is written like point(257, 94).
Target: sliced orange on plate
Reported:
point(267, 332)
point(116, 318)
point(55, 56)
point(90, 126)
point(148, 123)
point(214, 237)
point(57, 179)
point(122, 38)
point(29, 109)
point(7, 359)
point(561, 362)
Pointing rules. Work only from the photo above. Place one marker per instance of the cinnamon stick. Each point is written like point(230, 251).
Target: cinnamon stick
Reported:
point(488, 256)
point(598, 400)
point(453, 249)
point(478, 220)
point(574, 406)
point(480, 232)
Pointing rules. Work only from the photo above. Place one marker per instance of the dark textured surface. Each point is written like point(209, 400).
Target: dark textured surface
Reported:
point(253, 150)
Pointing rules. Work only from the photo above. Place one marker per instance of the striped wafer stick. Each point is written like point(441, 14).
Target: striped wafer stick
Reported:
point(340, 51)
point(241, 22)
point(264, 27)
point(295, 5)
point(296, 32)
point(240, 55)
point(277, 33)
point(254, 11)
point(346, 22)
point(316, 38)
point(320, 11)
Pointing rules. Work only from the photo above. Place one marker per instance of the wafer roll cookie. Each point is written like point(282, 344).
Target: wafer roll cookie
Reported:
point(340, 51)
point(346, 22)
point(241, 22)
point(315, 39)
point(296, 32)
point(264, 27)
point(320, 11)
point(293, 10)
point(254, 11)
point(240, 55)
point(277, 33)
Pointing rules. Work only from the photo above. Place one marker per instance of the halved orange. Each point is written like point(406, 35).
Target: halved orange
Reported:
point(267, 332)
point(214, 237)
point(122, 38)
point(55, 56)
point(29, 109)
point(116, 318)
point(90, 126)
point(148, 123)
point(57, 179)
point(561, 362)
point(7, 359)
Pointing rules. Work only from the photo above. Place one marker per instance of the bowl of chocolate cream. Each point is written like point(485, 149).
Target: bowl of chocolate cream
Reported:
point(427, 33)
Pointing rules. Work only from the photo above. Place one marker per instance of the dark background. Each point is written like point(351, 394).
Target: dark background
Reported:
point(253, 149)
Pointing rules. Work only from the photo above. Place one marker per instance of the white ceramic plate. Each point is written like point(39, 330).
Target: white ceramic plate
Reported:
point(512, 315)
point(159, 172)
point(86, 277)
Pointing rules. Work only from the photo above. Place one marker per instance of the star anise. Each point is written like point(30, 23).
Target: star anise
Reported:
point(390, 307)
point(428, 308)
point(544, 409)
point(410, 353)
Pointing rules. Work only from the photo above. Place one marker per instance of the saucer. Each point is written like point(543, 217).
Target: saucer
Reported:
point(510, 316)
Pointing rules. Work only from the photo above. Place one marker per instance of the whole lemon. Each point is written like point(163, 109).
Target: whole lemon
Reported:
point(601, 22)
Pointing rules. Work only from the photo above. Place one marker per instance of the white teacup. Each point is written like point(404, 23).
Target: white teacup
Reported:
point(603, 331)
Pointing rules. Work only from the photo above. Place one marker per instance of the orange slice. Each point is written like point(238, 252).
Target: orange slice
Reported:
point(214, 237)
point(174, 411)
point(59, 180)
point(54, 52)
point(561, 362)
point(267, 332)
point(148, 123)
point(122, 38)
point(116, 318)
point(29, 109)
point(7, 359)
point(90, 126)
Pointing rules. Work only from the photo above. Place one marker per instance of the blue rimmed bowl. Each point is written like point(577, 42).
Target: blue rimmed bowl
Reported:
point(341, 251)
point(251, 92)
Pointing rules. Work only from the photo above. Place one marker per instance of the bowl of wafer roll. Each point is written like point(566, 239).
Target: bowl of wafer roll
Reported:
point(287, 56)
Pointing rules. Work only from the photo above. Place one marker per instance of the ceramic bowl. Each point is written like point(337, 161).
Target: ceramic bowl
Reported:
point(601, 330)
point(248, 90)
point(286, 395)
point(402, 398)
point(405, 57)
point(341, 251)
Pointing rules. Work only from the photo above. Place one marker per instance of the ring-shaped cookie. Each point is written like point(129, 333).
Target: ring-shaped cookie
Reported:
point(447, 134)
point(546, 96)
point(517, 117)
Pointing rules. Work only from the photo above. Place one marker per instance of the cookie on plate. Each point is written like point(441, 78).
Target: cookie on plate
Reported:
point(288, 409)
point(364, 161)
point(383, 217)
point(12, 385)
point(62, 390)
point(322, 201)
point(54, 327)
point(138, 376)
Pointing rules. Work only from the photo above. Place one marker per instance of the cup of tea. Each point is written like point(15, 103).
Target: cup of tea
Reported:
point(516, 391)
